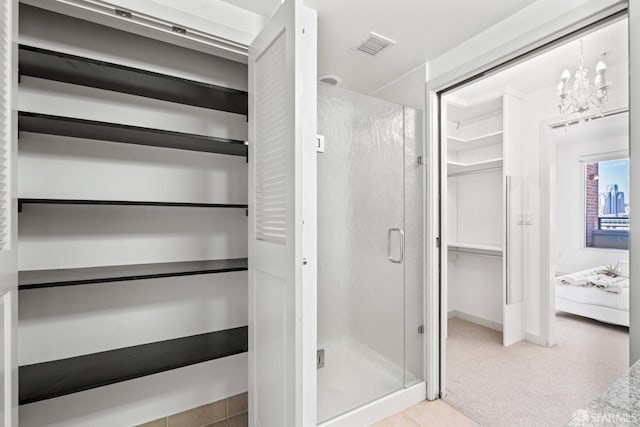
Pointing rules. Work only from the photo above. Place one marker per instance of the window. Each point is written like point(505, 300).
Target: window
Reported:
point(607, 204)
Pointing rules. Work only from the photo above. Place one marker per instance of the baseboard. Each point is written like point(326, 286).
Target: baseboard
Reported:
point(379, 409)
point(475, 319)
point(529, 337)
point(533, 338)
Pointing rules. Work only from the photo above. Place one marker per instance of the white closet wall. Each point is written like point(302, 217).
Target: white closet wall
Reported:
point(70, 321)
point(121, 404)
point(475, 212)
point(485, 218)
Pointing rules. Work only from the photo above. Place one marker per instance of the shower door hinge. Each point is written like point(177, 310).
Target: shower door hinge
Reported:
point(320, 358)
point(421, 329)
point(320, 143)
point(437, 242)
point(420, 160)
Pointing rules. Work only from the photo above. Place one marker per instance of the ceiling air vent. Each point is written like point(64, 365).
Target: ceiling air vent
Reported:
point(374, 44)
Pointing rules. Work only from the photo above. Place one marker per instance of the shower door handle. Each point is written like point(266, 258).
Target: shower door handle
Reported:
point(391, 258)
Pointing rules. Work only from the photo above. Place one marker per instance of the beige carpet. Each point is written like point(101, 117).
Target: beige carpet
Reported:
point(527, 384)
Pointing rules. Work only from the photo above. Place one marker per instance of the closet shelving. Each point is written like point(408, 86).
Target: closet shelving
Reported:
point(63, 67)
point(456, 168)
point(56, 378)
point(484, 197)
point(115, 132)
point(474, 150)
point(478, 248)
point(486, 139)
point(35, 201)
point(36, 279)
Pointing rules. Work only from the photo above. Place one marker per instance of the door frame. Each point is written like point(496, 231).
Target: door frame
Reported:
point(511, 52)
point(634, 172)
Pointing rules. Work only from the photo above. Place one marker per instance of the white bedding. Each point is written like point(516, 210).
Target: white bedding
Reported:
point(595, 277)
point(593, 296)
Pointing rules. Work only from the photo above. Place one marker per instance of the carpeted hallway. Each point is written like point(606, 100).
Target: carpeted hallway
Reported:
point(527, 384)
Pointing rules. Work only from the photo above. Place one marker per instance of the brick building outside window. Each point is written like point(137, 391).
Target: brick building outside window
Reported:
point(606, 206)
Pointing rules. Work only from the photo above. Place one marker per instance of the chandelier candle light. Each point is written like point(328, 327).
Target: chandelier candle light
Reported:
point(584, 100)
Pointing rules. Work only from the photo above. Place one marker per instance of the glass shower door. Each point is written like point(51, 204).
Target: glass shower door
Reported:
point(361, 295)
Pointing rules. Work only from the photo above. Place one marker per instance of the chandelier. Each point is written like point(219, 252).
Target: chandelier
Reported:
point(583, 100)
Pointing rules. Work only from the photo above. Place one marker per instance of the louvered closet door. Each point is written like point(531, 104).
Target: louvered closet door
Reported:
point(282, 220)
point(8, 213)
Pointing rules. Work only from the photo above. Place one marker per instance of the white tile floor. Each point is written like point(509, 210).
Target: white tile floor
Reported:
point(353, 376)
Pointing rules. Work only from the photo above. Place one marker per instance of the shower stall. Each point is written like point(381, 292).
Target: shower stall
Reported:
point(370, 237)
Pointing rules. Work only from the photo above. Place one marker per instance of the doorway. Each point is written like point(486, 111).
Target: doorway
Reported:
point(496, 215)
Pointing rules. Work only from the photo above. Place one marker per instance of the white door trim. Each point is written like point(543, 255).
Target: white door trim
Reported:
point(634, 147)
point(435, 317)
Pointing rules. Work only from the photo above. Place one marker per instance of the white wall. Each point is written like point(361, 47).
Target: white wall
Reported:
point(407, 89)
point(572, 256)
point(475, 215)
point(138, 401)
point(70, 321)
point(475, 288)
point(57, 323)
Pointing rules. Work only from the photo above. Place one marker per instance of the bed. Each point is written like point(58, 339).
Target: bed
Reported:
point(593, 302)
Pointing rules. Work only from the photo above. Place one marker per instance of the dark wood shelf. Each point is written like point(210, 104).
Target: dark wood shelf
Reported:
point(36, 279)
point(115, 132)
point(62, 67)
point(57, 378)
point(34, 201)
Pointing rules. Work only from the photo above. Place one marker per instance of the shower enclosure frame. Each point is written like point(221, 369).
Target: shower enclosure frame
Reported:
point(509, 52)
point(395, 133)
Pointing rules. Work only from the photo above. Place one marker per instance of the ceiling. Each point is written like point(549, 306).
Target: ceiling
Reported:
point(543, 71)
point(423, 30)
point(261, 7)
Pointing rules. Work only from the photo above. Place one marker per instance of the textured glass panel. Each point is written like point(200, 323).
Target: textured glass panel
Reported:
point(414, 260)
point(360, 291)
